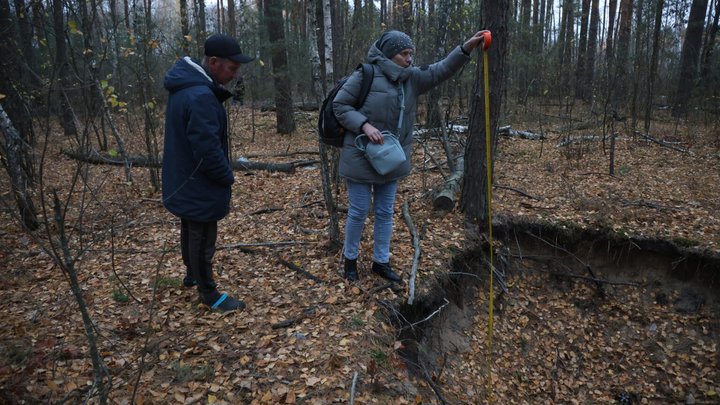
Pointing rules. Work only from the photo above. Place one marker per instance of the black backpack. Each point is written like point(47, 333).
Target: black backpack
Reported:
point(329, 129)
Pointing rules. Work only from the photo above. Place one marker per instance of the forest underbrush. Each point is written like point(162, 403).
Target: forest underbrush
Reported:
point(600, 318)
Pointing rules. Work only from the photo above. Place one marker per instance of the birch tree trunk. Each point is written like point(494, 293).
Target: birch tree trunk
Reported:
point(14, 150)
point(15, 94)
point(316, 67)
point(329, 157)
point(327, 24)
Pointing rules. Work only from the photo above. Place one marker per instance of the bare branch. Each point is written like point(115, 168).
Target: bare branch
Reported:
point(437, 311)
point(352, 388)
point(416, 248)
point(522, 193)
point(300, 270)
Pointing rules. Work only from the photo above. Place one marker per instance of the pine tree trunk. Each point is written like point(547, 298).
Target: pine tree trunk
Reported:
point(230, 24)
point(475, 198)
point(653, 63)
point(609, 49)
point(25, 38)
point(592, 50)
point(440, 26)
point(639, 61)
point(67, 118)
point(620, 82)
point(523, 46)
point(580, 89)
point(710, 43)
point(272, 10)
point(200, 26)
point(148, 101)
point(184, 27)
point(690, 57)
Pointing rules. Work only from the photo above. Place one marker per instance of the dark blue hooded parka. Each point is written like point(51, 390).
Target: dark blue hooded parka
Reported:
point(196, 171)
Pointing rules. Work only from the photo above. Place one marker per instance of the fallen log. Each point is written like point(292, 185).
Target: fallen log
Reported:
point(289, 167)
point(95, 157)
point(662, 143)
point(583, 138)
point(263, 244)
point(282, 154)
point(508, 131)
point(445, 198)
point(460, 129)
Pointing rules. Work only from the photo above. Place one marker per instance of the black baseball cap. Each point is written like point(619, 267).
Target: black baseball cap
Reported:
point(225, 46)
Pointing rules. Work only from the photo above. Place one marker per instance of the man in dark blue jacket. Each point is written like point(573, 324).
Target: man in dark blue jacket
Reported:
point(197, 173)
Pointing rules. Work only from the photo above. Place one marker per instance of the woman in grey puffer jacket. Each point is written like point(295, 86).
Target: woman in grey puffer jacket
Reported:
point(390, 106)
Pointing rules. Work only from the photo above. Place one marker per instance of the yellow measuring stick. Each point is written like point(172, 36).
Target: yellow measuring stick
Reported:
point(488, 166)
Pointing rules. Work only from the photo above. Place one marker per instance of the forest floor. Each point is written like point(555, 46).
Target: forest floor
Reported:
point(304, 341)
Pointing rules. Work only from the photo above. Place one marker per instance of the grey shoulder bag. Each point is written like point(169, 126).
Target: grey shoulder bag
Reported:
point(389, 155)
point(384, 157)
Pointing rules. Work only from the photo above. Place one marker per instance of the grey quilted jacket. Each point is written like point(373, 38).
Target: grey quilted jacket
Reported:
point(382, 108)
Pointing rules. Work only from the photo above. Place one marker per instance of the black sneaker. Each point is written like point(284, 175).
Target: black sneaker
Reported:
point(385, 271)
point(223, 302)
point(189, 282)
point(351, 273)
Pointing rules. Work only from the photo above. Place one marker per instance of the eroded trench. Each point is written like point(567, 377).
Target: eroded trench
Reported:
point(579, 316)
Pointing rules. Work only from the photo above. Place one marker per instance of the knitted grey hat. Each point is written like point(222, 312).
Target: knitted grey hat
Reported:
point(392, 42)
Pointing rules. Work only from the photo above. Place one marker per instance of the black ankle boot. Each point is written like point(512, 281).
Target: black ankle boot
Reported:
point(351, 273)
point(189, 281)
point(385, 271)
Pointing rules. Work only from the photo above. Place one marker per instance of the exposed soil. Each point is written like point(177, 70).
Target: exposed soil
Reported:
point(582, 320)
point(556, 339)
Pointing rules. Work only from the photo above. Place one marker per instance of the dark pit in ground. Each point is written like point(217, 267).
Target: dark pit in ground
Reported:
point(580, 316)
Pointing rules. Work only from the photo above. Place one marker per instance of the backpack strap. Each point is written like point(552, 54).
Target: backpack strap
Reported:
point(368, 73)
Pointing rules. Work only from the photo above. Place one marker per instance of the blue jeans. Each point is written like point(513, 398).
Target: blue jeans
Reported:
point(383, 200)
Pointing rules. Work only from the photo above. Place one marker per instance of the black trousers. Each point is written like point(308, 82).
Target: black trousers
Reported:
point(197, 244)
